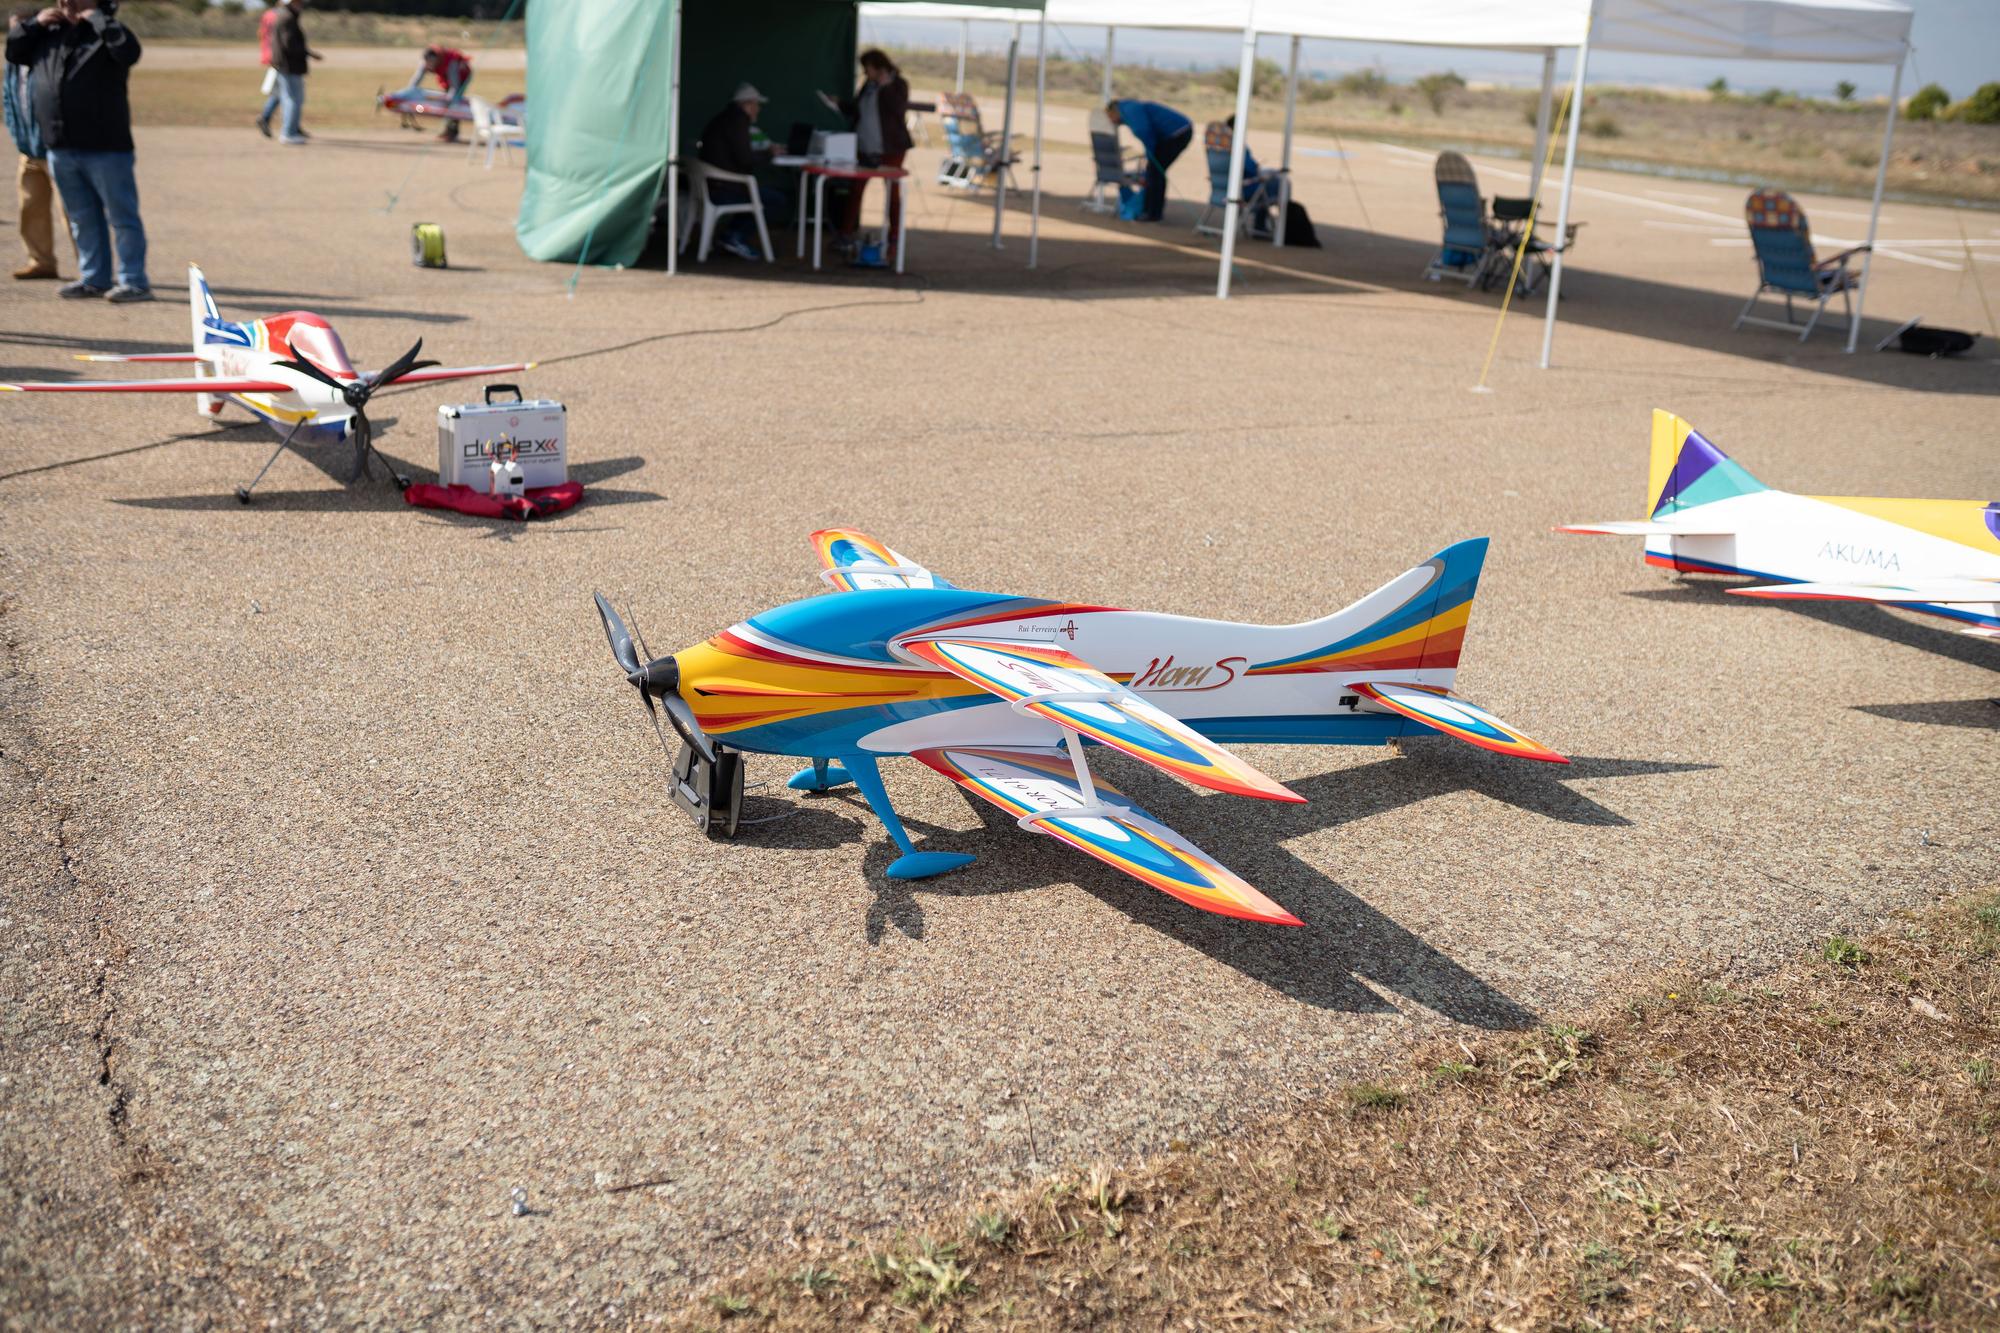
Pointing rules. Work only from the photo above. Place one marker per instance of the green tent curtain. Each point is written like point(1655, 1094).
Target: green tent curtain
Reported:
point(599, 74)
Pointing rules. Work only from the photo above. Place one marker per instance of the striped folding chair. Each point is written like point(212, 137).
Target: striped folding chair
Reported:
point(1785, 264)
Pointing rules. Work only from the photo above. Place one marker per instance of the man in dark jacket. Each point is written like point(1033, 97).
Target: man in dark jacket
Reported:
point(80, 55)
point(289, 55)
point(726, 146)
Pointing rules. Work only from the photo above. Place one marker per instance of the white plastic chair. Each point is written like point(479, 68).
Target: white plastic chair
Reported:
point(700, 175)
point(492, 132)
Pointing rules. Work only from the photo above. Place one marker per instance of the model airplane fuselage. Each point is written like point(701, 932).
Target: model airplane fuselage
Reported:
point(1001, 694)
point(1710, 516)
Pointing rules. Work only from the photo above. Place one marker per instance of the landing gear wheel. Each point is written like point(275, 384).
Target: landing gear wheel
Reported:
point(243, 495)
point(402, 481)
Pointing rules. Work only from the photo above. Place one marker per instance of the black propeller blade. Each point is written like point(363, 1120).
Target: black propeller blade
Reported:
point(657, 679)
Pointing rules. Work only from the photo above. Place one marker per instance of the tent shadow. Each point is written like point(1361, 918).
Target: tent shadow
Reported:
point(1862, 617)
point(1120, 259)
point(1346, 943)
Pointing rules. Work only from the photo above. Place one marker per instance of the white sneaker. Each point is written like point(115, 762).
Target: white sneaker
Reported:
point(742, 249)
point(294, 139)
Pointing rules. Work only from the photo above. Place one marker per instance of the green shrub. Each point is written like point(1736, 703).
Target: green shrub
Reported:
point(1927, 102)
point(1844, 90)
point(1437, 88)
point(1982, 108)
point(1718, 88)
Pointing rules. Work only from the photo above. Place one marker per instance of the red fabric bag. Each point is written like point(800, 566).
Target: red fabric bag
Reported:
point(539, 502)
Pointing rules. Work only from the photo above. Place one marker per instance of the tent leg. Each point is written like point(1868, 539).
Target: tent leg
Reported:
point(1006, 137)
point(1285, 159)
point(1110, 49)
point(674, 143)
point(1246, 71)
point(1041, 94)
point(1875, 208)
point(1562, 208)
point(1542, 109)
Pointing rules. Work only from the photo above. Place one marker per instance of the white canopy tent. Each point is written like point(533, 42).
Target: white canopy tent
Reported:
point(1861, 32)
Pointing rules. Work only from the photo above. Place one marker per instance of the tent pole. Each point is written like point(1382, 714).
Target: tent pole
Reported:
point(674, 141)
point(1542, 109)
point(1006, 136)
point(1875, 208)
point(1041, 93)
point(1246, 71)
point(1110, 50)
point(964, 40)
point(1285, 160)
point(1569, 180)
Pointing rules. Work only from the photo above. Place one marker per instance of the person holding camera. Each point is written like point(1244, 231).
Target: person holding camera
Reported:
point(80, 55)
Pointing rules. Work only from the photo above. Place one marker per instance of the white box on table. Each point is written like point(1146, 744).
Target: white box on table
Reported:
point(538, 429)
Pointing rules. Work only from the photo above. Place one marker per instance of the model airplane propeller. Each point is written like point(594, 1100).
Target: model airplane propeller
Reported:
point(1710, 516)
point(1002, 694)
point(290, 370)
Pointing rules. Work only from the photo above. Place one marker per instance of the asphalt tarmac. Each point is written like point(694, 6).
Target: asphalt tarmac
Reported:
point(346, 898)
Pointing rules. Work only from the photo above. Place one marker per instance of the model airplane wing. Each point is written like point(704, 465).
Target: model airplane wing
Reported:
point(854, 561)
point(1038, 787)
point(1441, 710)
point(1944, 592)
point(189, 384)
point(1637, 528)
point(432, 374)
point(1052, 684)
point(155, 357)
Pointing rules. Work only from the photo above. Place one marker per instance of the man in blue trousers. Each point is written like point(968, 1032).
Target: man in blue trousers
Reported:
point(1164, 133)
point(80, 54)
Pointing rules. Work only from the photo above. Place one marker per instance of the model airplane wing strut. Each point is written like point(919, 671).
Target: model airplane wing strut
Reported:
point(1047, 682)
point(1043, 788)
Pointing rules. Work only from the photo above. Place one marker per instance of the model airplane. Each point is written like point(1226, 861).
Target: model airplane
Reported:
point(413, 102)
point(1000, 694)
point(1709, 516)
point(290, 370)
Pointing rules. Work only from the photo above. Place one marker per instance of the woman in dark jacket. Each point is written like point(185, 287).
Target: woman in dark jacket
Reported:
point(878, 113)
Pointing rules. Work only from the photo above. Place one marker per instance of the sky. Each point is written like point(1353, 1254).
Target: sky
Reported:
point(1957, 44)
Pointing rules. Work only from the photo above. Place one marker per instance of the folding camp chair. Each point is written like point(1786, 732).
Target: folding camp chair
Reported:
point(1115, 167)
point(1217, 140)
point(972, 157)
point(708, 212)
point(1469, 239)
point(1785, 263)
point(491, 131)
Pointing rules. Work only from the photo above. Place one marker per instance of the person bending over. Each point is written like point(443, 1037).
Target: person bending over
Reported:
point(453, 70)
point(1164, 133)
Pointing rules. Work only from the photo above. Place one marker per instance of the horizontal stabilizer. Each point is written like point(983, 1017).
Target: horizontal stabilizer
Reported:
point(191, 384)
point(1943, 592)
point(150, 357)
point(1038, 786)
point(1441, 710)
point(1046, 682)
point(1635, 528)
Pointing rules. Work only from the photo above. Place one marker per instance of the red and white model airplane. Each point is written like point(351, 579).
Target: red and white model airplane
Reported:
point(290, 370)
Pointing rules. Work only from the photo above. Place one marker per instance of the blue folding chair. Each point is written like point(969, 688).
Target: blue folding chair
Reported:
point(1217, 140)
point(1116, 169)
point(972, 157)
point(1470, 242)
point(1785, 264)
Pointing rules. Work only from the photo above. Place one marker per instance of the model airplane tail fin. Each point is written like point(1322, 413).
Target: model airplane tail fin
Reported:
point(1687, 470)
point(1414, 622)
point(201, 309)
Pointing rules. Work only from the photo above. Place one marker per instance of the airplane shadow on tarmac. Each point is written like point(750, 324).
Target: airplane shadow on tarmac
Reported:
point(1863, 617)
point(1344, 938)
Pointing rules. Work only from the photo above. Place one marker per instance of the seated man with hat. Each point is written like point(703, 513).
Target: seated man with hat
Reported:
point(725, 145)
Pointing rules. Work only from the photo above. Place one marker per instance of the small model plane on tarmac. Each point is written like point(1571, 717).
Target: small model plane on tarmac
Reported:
point(413, 102)
point(1000, 694)
point(290, 370)
point(1710, 516)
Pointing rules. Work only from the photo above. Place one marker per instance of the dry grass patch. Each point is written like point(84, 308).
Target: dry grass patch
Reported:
point(1815, 1150)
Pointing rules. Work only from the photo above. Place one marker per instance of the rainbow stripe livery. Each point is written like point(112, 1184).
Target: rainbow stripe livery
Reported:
point(1708, 515)
point(1005, 694)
